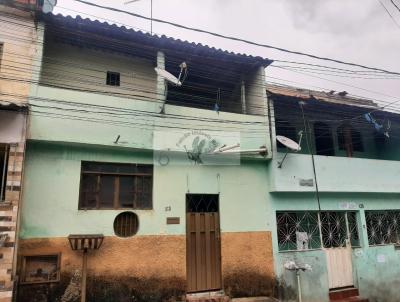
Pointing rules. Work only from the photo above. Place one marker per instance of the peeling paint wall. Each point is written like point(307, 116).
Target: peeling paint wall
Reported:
point(158, 251)
point(153, 268)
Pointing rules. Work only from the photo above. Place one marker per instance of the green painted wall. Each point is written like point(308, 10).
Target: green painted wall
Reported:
point(63, 115)
point(52, 174)
point(366, 267)
point(334, 174)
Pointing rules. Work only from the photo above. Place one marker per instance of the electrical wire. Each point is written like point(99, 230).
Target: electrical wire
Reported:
point(389, 14)
point(237, 39)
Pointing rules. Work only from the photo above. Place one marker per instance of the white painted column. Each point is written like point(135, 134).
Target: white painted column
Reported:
point(243, 96)
point(161, 85)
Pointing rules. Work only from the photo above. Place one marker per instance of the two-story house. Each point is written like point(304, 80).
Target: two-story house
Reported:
point(336, 201)
point(152, 166)
point(146, 160)
point(18, 37)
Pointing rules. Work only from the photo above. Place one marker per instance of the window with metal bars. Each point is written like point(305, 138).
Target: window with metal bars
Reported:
point(4, 149)
point(116, 186)
point(126, 224)
point(300, 230)
point(383, 227)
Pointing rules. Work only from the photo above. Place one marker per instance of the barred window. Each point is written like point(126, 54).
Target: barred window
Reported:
point(116, 186)
point(383, 227)
point(300, 230)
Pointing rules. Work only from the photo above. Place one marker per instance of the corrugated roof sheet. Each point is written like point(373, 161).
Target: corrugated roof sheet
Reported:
point(328, 97)
point(12, 105)
point(155, 40)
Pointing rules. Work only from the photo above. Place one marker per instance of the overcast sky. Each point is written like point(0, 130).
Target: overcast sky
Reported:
point(358, 31)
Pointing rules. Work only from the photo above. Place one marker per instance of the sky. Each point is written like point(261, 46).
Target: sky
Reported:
point(358, 31)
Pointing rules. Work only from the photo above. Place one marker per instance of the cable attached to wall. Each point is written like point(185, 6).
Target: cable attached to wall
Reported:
point(306, 128)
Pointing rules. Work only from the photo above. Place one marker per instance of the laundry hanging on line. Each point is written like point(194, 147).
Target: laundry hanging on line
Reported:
point(382, 128)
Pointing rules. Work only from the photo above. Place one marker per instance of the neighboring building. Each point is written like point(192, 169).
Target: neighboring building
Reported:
point(17, 48)
point(357, 168)
point(114, 150)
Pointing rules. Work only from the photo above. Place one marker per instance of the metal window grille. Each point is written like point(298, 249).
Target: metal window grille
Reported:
point(309, 230)
point(298, 230)
point(202, 203)
point(383, 227)
point(126, 224)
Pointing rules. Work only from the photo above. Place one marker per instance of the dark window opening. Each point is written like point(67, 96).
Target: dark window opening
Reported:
point(3, 170)
point(323, 139)
point(1, 53)
point(215, 85)
point(113, 78)
point(349, 139)
point(286, 129)
point(116, 186)
point(40, 269)
point(202, 203)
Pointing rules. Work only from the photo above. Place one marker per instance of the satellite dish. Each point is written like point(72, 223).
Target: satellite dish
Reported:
point(168, 76)
point(48, 6)
point(288, 143)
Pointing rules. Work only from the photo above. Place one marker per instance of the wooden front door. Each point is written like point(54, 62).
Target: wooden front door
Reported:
point(203, 244)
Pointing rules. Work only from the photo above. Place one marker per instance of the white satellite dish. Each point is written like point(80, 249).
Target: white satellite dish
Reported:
point(168, 76)
point(48, 6)
point(288, 143)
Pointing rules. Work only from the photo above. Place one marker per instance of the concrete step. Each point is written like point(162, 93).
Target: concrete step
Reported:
point(352, 299)
point(254, 299)
point(213, 296)
point(208, 299)
point(343, 293)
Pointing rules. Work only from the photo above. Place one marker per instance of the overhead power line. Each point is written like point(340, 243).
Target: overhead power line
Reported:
point(237, 39)
point(389, 14)
point(395, 5)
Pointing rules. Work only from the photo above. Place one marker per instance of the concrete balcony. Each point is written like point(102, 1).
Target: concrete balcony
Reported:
point(72, 116)
point(334, 174)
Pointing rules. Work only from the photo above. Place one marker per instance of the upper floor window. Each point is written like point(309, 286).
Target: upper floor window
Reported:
point(349, 140)
point(116, 186)
point(286, 129)
point(323, 139)
point(113, 78)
